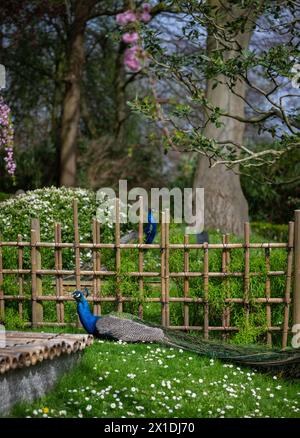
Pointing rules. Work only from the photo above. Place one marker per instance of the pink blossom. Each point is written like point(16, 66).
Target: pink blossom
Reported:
point(133, 65)
point(131, 60)
point(145, 17)
point(146, 7)
point(7, 137)
point(126, 17)
point(130, 38)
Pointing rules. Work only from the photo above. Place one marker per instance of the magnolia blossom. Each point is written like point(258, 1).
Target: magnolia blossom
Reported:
point(130, 38)
point(125, 18)
point(7, 137)
point(131, 60)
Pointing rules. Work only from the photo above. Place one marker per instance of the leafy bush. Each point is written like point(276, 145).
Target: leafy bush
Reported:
point(273, 202)
point(4, 196)
point(270, 231)
point(50, 205)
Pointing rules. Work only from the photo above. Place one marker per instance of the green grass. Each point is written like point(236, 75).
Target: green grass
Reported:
point(139, 380)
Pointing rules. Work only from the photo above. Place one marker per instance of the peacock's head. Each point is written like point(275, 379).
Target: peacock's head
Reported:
point(79, 296)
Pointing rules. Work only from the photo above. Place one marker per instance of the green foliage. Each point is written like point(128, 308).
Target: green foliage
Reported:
point(12, 321)
point(273, 200)
point(275, 232)
point(3, 196)
point(229, 68)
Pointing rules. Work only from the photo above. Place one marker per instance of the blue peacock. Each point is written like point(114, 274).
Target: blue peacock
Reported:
point(128, 328)
point(149, 231)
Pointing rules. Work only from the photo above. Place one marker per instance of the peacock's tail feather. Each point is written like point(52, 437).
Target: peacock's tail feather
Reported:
point(286, 363)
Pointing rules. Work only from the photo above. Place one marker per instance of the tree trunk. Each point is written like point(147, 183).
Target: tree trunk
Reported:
point(225, 205)
point(71, 102)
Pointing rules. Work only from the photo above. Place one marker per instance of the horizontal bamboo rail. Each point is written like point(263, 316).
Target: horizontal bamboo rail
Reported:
point(65, 245)
point(96, 274)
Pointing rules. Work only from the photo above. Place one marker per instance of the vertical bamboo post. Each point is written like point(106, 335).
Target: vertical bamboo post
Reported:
point(60, 278)
point(2, 302)
point(296, 303)
point(227, 251)
point(96, 265)
point(20, 276)
point(224, 263)
point(60, 310)
point(225, 268)
point(163, 265)
point(36, 281)
point(118, 256)
point(227, 280)
point(268, 296)
point(247, 268)
point(76, 243)
point(167, 269)
point(141, 258)
point(186, 315)
point(205, 286)
point(288, 285)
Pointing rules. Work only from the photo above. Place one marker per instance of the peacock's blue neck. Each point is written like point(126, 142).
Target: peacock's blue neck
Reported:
point(87, 319)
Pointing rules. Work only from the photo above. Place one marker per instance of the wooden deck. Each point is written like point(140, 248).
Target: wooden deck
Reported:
point(25, 349)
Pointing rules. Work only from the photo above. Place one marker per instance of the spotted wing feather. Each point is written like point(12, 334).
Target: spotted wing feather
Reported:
point(126, 330)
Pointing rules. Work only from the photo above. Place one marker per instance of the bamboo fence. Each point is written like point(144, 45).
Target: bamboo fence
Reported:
point(163, 275)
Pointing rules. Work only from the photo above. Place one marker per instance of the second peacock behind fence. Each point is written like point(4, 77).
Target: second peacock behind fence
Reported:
point(128, 328)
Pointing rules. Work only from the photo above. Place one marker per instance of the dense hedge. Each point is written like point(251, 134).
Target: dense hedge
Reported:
point(268, 231)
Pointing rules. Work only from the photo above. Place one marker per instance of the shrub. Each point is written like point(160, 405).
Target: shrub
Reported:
point(269, 231)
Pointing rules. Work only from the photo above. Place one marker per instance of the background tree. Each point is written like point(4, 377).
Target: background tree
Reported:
point(240, 77)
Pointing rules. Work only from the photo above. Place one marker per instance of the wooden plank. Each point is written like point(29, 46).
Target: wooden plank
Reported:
point(118, 257)
point(268, 295)
point(96, 265)
point(246, 269)
point(224, 263)
point(167, 268)
point(186, 285)
point(141, 258)
point(162, 266)
point(288, 285)
point(228, 258)
point(60, 309)
point(76, 249)
point(205, 296)
point(76, 243)
point(153, 245)
point(296, 300)
point(36, 280)
point(20, 276)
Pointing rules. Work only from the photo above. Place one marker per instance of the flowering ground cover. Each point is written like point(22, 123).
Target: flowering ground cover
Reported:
point(147, 380)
